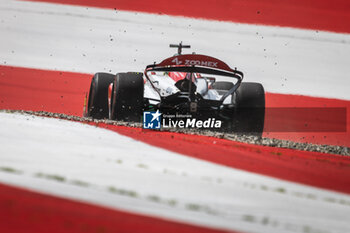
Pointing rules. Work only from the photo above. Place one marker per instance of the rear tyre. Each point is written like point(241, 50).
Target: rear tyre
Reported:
point(127, 97)
point(98, 95)
point(250, 109)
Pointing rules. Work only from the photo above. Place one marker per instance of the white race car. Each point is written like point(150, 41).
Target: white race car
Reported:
point(194, 84)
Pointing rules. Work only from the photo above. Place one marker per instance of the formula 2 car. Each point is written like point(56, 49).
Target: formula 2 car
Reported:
point(195, 84)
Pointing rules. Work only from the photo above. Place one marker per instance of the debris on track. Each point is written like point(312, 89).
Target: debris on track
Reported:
point(263, 141)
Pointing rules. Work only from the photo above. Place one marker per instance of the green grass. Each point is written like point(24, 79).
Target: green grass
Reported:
point(51, 177)
point(249, 218)
point(80, 183)
point(154, 198)
point(10, 170)
point(280, 190)
point(119, 161)
point(122, 192)
point(172, 202)
point(193, 207)
point(141, 165)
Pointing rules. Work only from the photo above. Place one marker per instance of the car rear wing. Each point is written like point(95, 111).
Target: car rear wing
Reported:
point(189, 62)
point(196, 63)
point(195, 69)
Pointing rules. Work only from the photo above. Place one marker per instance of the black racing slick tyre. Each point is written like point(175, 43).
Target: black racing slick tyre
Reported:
point(250, 109)
point(127, 97)
point(98, 95)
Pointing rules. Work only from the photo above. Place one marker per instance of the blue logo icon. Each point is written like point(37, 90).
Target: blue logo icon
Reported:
point(151, 120)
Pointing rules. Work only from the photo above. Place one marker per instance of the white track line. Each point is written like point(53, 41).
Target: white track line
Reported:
point(51, 36)
point(88, 40)
point(60, 157)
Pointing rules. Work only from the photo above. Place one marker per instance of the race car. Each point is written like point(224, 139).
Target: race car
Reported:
point(199, 85)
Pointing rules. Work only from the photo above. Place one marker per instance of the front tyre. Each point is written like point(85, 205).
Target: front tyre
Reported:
point(127, 97)
point(98, 95)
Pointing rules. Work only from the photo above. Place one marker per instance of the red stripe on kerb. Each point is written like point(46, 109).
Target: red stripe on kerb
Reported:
point(329, 15)
point(31, 89)
point(39, 90)
point(22, 210)
point(64, 92)
point(310, 168)
point(274, 100)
